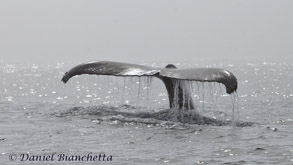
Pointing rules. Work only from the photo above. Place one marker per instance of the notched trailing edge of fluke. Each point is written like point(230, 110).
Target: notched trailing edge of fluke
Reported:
point(125, 69)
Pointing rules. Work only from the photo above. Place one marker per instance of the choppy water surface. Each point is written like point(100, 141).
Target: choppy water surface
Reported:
point(128, 119)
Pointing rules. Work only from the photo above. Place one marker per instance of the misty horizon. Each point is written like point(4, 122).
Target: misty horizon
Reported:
point(145, 31)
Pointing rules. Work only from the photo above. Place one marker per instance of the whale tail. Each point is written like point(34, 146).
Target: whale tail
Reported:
point(179, 96)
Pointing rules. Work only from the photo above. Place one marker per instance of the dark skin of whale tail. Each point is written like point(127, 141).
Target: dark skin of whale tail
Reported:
point(179, 96)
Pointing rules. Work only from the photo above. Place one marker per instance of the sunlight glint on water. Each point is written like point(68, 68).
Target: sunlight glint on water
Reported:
point(40, 114)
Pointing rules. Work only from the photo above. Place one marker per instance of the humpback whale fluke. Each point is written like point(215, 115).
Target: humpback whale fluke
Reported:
point(179, 96)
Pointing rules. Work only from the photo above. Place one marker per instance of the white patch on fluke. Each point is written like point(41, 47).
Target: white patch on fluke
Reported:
point(138, 72)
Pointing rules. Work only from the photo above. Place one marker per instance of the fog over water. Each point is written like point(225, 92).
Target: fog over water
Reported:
point(137, 31)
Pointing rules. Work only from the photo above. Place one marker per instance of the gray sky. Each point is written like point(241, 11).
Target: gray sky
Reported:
point(145, 30)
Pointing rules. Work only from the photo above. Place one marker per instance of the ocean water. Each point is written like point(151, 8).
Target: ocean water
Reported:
point(119, 118)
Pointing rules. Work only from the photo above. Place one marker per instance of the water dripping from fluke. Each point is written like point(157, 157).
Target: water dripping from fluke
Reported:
point(181, 85)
